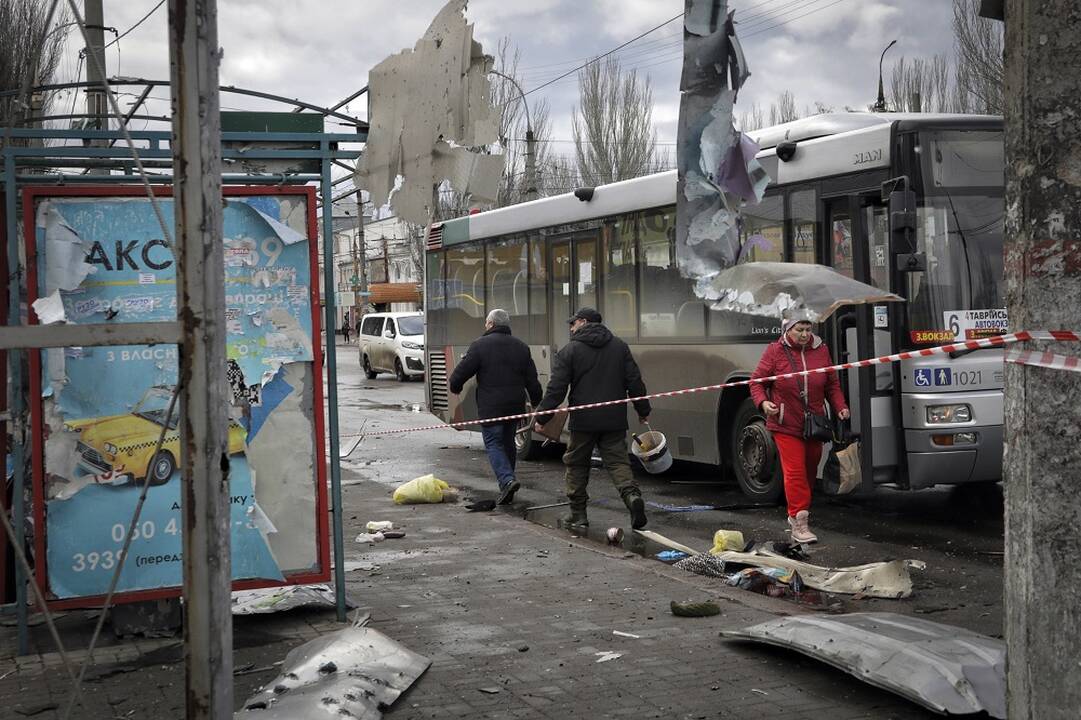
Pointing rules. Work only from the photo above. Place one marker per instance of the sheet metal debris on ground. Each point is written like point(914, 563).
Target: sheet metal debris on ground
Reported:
point(280, 599)
point(354, 673)
point(944, 668)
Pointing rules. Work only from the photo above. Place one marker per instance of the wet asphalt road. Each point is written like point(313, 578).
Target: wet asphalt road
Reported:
point(957, 531)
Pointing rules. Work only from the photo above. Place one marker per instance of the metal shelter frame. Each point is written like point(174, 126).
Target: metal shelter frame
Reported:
point(28, 159)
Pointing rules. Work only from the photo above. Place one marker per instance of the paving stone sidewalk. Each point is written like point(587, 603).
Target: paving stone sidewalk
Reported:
point(497, 603)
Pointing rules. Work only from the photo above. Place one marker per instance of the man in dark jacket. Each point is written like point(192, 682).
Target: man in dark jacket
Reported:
point(505, 375)
point(596, 366)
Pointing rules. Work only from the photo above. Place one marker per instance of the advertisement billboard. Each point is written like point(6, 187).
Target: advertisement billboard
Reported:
point(99, 256)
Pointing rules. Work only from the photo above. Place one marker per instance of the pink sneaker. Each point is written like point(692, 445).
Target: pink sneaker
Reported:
point(798, 527)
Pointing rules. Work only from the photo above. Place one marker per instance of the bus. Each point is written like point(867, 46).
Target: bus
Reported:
point(909, 203)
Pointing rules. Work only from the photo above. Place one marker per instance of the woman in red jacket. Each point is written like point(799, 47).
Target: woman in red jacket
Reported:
point(782, 402)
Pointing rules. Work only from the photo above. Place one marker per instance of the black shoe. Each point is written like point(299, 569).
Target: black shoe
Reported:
point(576, 521)
point(506, 497)
point(637, 507)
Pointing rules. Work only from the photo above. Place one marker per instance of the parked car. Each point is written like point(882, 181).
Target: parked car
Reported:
point(125, 443)
point(392, 342)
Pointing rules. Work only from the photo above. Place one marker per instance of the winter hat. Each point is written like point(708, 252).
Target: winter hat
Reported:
point(787, 324)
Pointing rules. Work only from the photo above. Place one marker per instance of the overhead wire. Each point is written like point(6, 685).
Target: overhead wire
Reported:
point(141, 21)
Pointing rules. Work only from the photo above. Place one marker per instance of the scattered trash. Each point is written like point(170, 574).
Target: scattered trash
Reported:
point(944, 668)
point(489, 690)
point(626, 634)
point(760, 692)
point(367, 537)
point(481, 506)
point(671, 555)
point(777, 583)
point(351, 565)
point(424, 489)
point(695, 609)
point(393, 534)
point(280, 599)
point(662, 540)
point(606, 655)
point(614, 535)
point(727, 540)
point(523, 648)
point(888, 579)
point(703, 564)
point(375, 526)
point(358, 671)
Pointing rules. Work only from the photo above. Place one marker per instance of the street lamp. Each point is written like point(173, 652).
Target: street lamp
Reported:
point(880, 104)
point(530, 144)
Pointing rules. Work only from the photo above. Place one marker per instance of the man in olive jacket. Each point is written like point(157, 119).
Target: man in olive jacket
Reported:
point(505, 375)
point(596, 366)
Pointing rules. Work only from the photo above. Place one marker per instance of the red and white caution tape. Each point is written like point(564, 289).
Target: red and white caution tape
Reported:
point(1014, 355)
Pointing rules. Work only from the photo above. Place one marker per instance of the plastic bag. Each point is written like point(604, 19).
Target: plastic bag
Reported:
point(425, 489)
point(727, 540)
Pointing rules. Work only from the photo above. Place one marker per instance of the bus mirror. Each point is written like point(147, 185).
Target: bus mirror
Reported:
point(911, 262)
point(902, 209)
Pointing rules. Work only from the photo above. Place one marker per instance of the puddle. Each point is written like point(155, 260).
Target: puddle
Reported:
point(376, 405)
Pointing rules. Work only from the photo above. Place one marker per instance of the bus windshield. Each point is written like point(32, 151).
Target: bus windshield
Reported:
point(959, 230)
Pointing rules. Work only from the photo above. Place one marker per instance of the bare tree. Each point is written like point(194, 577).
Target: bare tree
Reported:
point(30, 50)
point(921, 85)
point(751, 119)
point(978, 46)
point(614, 137)
point(784, 110)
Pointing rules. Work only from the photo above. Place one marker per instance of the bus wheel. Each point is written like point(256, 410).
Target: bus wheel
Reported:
point(527, 447)
point(754, 456)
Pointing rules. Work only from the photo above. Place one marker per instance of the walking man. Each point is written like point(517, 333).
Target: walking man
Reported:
point(345, 331)
point(505, 375)
point(596, 366)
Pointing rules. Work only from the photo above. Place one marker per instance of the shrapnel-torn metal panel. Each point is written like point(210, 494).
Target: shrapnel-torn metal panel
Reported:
point(944, 668)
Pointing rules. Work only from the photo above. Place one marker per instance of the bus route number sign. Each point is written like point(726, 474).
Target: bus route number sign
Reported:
point(976, 324)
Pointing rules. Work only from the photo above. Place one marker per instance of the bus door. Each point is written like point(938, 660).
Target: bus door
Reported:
point(573, 263)
point(857, 245)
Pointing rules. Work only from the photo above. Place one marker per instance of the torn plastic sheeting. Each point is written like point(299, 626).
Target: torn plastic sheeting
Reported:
point(350, 673)
point(887, 579)
point(437, 91)
point(280, 599)
point(944, 668)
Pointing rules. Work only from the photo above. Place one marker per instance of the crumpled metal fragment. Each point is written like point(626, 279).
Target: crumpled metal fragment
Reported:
point(349, 673)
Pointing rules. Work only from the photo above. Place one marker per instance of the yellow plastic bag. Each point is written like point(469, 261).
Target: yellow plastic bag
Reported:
point(425, 489)
point(724, 540)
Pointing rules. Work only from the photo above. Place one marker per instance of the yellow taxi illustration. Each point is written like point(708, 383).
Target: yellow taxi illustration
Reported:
point(125, 443)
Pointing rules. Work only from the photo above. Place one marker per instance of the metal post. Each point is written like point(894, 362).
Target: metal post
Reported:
point(530, 165)
point(208, 626)
point(332, 392)
point(16, 406)
point(95, 66)
point(363, 255)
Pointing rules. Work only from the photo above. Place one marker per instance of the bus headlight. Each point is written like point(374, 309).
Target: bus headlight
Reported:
point(948, 414)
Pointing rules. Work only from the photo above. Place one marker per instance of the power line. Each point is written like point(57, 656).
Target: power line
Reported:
point(599, 57)
point(141, 21)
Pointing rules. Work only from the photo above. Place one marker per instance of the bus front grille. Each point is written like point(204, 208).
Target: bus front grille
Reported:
point(437, 374)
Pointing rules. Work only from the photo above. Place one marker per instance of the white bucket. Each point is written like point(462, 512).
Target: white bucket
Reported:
point(656, 459)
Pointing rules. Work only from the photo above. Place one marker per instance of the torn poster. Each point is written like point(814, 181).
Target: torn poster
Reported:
point(717, 169)
point(101, 426)
point(429, 110)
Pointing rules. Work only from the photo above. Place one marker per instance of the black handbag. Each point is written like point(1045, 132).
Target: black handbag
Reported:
point(815, 427)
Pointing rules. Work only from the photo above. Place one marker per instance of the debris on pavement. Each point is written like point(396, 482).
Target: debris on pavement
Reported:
point(490, 690)
point(662, 540)
point(944, 668)
point(727, 540)
point(695, 609)
point(614, 535)
point(481, 506)
point(357, 671)
point(887, 579)
point(370, 538)
point(703, 564)
point(671, 555)
point(375, 526)
point(424, 489)
point(606, 655)
point(620, 633)
point(545, 507)
point(280, 599)
point(393, 534)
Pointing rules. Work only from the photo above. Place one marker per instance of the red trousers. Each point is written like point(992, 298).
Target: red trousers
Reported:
point(799, 463)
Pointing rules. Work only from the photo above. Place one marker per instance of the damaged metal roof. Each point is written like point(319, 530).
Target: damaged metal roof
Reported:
point(944, 668)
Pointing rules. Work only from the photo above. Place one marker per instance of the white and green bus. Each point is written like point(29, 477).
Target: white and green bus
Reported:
point(911, 203)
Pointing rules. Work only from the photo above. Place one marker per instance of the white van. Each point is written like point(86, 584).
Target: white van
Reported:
point(392, 342)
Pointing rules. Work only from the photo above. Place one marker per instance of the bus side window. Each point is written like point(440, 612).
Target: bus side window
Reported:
point(670, 307)
point(620, 309)
point(802, 211)
point(761, 235)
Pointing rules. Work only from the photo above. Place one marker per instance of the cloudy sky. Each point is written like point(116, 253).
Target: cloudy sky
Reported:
point(821, 50)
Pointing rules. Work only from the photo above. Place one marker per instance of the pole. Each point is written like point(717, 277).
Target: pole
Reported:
point(363, 298)
point(95, 63)
point(1043, 290)
point(386, 262)
point(880, 103)
point(208, 625)
point(530, 190)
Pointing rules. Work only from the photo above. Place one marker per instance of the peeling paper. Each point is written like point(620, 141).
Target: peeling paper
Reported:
point(420, 101)
point(50, 309)
point(717, 167)
point(285, 233)
point(67, 266)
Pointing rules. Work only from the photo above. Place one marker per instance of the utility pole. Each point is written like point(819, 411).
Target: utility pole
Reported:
point(194, 55)
point(1043, 291)
point(362, 298)
point(96, 102)
point(386, 262)
point(530, 190)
